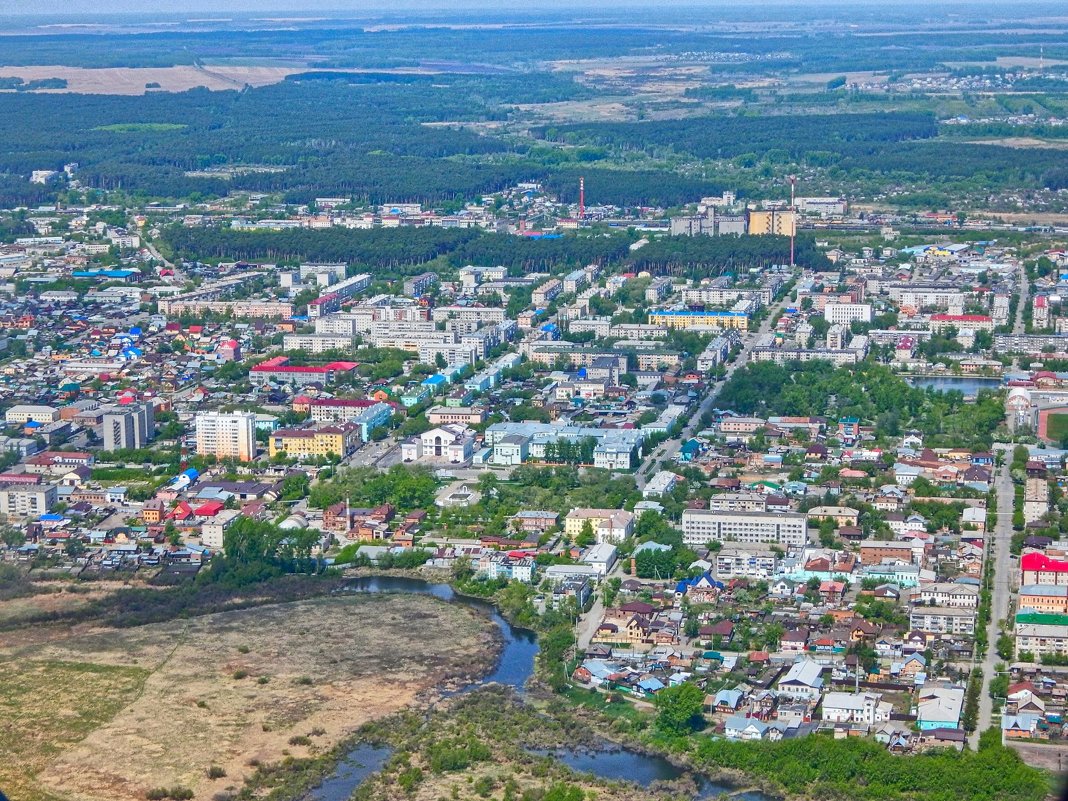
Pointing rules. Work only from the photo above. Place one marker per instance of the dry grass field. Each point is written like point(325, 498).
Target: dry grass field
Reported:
point(107, 715)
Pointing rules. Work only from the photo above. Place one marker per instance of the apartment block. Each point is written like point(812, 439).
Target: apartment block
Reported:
point(701, 526)
point(227, 435)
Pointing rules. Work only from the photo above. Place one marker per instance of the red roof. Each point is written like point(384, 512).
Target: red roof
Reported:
point(971, 318)
point(1039, 561)
point(210, 509)
point(181, 511)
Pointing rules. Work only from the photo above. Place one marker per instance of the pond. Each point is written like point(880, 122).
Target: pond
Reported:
point(969, 385)
point(617, 763)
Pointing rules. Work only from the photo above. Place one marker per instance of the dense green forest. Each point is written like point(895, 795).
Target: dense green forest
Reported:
point(822, 767)
point(403, 250)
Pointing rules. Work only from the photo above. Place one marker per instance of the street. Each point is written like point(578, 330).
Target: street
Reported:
point(670, 447)
point(1000, 540)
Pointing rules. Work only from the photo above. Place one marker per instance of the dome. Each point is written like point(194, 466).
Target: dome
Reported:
point(293, 522)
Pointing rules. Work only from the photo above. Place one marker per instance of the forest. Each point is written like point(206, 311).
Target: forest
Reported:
point(822, 767)
point(403, 249)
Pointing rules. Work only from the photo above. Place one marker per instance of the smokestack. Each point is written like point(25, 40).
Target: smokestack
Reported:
point(582, 197)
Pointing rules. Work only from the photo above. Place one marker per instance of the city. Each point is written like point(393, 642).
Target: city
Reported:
point(505, 451)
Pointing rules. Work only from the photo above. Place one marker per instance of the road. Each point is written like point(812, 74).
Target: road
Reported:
point(999, 544)
point(670, 447)
point(1018, 323)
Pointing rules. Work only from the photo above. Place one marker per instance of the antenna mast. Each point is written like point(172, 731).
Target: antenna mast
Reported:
point(793, 218)
point(582, 197)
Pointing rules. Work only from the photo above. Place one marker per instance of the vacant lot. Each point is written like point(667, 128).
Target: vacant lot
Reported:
point(110, 714)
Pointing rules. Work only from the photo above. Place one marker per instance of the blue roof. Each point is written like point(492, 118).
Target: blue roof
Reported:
point(192, 473)
point(50, 517)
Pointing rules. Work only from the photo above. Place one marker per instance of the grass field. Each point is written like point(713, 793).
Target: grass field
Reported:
point(1057, 427)
point(110, 714)
point(47, 707)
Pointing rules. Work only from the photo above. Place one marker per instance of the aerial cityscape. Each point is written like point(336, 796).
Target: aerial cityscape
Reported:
point(549, 403)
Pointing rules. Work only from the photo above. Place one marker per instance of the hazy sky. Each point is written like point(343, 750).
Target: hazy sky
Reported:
point(310, 7)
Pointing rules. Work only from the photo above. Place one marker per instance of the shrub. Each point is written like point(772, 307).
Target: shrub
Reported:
point(299, 739)
point(262, 680)
point(242, 649)
point(304, 681)
point(240, 674)
point(216, 772)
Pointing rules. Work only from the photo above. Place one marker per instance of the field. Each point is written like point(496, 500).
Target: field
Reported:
point(110, 714)
point(1057, 427)
point(135, 80)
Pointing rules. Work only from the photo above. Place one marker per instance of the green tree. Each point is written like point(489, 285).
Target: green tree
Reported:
point(679, 708)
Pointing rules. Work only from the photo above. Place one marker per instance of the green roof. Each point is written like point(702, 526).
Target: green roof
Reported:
point(1043, 619)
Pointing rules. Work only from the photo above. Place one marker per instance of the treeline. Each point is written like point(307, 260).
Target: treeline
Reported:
point(403, 249)
point(729, 137)
point(692, 255)
point(381, 247)
point(857, 768)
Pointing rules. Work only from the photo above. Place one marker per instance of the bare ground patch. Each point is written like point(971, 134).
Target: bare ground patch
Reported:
point(231, 688)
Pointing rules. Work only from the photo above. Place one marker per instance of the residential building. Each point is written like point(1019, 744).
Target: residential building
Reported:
point(944, 593)
point(130, 426)
point(226, 435)
point(939, 707)
point(27, 500)
point(1041, 634)
point(304, 444)
point(943, 619)
point(864, 708)
point(1048, 599)
point(608, 525)
point(701, 526)
point(25, 413)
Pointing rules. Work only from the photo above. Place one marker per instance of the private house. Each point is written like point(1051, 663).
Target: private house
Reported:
point(803, 681)
point(939, 707)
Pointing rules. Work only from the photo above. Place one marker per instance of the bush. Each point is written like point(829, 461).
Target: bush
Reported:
point(299, 739)
point(304, 681)
point(216, 772)
point(240, 674)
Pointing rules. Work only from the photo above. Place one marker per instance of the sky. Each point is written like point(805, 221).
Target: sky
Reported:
point(296, 8)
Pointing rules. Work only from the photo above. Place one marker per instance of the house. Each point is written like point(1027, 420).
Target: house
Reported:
point(737, 727)
point(1020, 726)
point(701, 590)
point(803, 680)
point(939, 707)
point(866, 708)
point(727, 700)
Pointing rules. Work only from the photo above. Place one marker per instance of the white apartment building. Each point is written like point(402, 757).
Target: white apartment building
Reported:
point(25, 413)
point(946, 593)
point(225, 435)
point(701, 526)
point(27, 500)
point(317, 343)
point(847, 312)
point(866, 708)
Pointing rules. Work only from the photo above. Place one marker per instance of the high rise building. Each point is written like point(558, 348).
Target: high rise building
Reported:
point(227, 435)
point(128, 426)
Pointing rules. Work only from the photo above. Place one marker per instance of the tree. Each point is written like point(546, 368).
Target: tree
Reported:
point(586, 537)
point(679, 708)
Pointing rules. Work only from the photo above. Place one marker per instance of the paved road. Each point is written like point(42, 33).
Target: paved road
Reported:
point(1003, 570)
point(670, 447)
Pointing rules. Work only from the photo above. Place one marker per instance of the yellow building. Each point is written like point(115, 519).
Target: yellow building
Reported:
point(777, 221)
point(693, 319)
point(311, 443)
